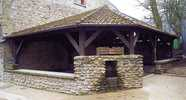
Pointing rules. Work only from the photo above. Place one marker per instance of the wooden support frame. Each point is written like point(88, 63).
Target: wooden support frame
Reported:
point(18, 50)
point(83, 42)
point(19, 47)
point(72, 41)
point(131, 43)
point(122, 38)
point(92, 38)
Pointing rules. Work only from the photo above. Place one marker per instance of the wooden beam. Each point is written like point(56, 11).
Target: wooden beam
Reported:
point(19, 47)
point(122, 38)
point(82, 43)
point(92, 38)
point(72, 41)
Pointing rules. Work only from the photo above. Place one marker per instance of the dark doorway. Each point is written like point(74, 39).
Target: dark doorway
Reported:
point(111, 70)
point(111, 75)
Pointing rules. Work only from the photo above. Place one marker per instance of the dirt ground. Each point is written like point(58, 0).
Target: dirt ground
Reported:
point(156, 87)
point(178, 71)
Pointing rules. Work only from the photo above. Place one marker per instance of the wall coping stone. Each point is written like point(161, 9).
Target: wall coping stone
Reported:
point(109, 56)
point(165, 61)
point(70, 76)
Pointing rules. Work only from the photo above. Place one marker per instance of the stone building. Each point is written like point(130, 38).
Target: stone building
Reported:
point(92, 51)
point(20, 14)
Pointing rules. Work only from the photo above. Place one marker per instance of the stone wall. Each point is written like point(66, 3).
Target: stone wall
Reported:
point(1, 61)
point(91, 72)
point(89, 75)
point(39, 81)
point(9, 61)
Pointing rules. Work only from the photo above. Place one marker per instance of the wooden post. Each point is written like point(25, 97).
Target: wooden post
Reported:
point(82, 43)
point(155, 47)
point(133, 41)
point(122, 38)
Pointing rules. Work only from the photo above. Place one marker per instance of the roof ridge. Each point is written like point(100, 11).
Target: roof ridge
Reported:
point(88, 15)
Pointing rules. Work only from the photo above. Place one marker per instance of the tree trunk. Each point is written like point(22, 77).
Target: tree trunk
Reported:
point(156, 15)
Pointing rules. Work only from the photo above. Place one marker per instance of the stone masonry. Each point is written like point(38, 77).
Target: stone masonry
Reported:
point(1, 61)
point(90, 71)
point(89, 76)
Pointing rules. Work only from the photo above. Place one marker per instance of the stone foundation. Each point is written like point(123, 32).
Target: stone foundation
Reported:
point(161, 66)
point(89, 75)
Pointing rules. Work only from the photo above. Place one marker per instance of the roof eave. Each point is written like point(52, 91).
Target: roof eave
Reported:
point(137, 25)
point(43, 31)
point(84, 24)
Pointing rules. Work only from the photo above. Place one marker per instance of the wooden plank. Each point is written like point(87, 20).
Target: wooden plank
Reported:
point(81, 43)
point(72, 41)
point(92, 38)
point(122, 38)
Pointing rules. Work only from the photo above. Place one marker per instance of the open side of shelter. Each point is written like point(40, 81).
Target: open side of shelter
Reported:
point(71, 45)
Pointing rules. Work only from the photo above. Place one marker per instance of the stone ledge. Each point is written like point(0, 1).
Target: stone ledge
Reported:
point(165, 61)
point(44, 73)
point(110, 56)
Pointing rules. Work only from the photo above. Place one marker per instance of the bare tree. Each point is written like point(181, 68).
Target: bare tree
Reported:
point(174, 11)
point(156, 14)
point(152, 6)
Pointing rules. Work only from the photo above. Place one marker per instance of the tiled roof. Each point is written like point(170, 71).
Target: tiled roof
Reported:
point(100, 16)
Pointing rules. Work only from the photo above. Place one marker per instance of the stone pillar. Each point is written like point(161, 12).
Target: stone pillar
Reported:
point(130, 71)
point(89, 72)
point(8, 57)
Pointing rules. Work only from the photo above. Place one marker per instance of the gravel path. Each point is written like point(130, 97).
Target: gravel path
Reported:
point(156, 87)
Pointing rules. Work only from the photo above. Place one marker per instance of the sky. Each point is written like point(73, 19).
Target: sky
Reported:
point(131, 8)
